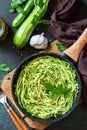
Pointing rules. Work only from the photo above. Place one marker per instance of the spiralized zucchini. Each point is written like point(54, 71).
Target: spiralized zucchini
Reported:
point(34, 97)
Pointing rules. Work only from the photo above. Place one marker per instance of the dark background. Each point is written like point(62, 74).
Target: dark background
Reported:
point(12, 56)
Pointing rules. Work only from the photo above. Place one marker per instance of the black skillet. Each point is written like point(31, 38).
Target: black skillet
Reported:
point(70, 55)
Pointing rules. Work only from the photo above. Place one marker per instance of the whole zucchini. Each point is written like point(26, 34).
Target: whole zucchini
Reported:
point(24, 32)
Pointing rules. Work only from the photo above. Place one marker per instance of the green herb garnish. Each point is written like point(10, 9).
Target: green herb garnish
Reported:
point(43, 21)
point(55, 91)
point(48, 86)
point(4, 68)
point(60, 46)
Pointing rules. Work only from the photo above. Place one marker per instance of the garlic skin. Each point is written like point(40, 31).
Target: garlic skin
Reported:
point(39, 41)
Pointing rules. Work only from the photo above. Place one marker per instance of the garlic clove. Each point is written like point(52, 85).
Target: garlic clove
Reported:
point(45, 44)
point(39, 41)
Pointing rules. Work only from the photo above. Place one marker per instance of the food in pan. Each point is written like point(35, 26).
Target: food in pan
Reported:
point(46, 87)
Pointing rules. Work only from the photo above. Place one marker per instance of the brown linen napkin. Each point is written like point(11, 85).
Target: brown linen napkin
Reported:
point(66, 29)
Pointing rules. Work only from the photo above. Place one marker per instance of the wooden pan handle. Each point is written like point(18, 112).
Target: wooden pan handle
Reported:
point(18, 122)
point(74, 51)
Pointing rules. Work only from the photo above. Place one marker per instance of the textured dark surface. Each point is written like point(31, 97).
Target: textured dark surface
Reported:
point(12, 56)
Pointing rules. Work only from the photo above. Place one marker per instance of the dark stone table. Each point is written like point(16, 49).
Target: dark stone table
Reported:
point(12, 56)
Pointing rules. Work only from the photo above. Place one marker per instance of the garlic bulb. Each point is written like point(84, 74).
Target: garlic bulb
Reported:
point(39, 41)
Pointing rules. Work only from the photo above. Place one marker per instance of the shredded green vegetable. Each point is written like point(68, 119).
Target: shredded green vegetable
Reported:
point(36, 98)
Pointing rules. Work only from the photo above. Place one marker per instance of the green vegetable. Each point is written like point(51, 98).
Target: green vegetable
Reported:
point(43, 21)
point(4, 68)
point(46, 87)
point(20, 10)
point(46, 22)
point(20, 17)
point(60, 46)
point(38, 2)
point(24, 32)
point(15, 4)
point(56, 91)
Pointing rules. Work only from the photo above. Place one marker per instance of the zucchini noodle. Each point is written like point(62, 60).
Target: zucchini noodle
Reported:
point(34, 97)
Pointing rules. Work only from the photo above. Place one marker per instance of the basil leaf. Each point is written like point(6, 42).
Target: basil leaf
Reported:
point(59, 91)
point(43, 21)
point(46, 22)
point(4, 68)
point(56, 91)
point(12, 10)
point(53, 95)
point(66, 90)
point(48, 86)
point(60, 46)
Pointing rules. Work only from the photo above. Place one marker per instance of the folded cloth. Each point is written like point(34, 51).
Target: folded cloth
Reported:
point(66, 10)
point(67, 30)
point(67, 33)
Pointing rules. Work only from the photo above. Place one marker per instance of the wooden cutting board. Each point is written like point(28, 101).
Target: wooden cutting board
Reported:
point(6, 87)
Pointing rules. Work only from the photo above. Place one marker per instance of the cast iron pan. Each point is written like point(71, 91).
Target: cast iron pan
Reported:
point(70, 55)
